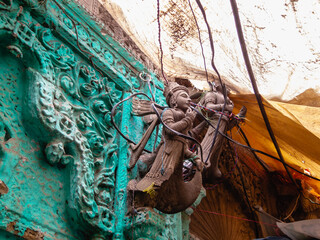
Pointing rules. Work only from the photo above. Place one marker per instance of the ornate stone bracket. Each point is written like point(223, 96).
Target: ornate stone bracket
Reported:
point(70, 90)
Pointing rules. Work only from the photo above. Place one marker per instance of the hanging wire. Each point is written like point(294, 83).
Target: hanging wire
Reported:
point(226, 175)
point(253, 149)
point(224, 90)
point(113, 114)
point(154, 106)
point(210, 39)
point(159, 38)
point(148, 77)
point(178, 133)
point(256, 90)
point(242, 134)
point(199, 35)
point(244, 188)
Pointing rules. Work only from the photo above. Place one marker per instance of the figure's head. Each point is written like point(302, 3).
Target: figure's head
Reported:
point(212, 86)
point(96, 143)
point(219, 88)
point(177, 96)
point(54, 152)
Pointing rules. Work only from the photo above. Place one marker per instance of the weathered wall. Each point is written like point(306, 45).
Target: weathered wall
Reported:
point(61, 159)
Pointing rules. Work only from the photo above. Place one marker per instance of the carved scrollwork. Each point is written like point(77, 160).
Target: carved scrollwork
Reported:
point(74, 116)
point(68, 102)
point(5, 4)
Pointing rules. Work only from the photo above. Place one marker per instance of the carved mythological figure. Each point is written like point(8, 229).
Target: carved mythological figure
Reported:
point(214, 100)
point(169, 193)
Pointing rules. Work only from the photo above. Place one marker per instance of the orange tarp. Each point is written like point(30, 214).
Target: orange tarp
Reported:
point(297, 130)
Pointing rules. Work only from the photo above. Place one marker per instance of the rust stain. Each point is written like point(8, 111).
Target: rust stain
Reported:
point(3, 188)
point(10, 228)
point(29, 234)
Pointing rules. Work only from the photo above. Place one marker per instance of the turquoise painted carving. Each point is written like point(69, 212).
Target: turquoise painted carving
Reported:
point(63, 164)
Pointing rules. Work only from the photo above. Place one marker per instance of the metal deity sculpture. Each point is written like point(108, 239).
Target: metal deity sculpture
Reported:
point(163, 187)
point(222, 107)
point(218, 107)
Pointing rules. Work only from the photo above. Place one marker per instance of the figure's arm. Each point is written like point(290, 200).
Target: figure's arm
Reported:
point(196, 159)
point(229, 106)
point(179, 126)
point(196, 131)
point(211, 102)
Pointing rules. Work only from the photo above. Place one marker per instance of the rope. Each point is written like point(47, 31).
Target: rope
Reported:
point(294, 207)
point(255, 88)
point(159, 38)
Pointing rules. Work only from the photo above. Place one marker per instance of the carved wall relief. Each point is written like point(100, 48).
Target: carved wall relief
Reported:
point(61, 149)
point(67, 107)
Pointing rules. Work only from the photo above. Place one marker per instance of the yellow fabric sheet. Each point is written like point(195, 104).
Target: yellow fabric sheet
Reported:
point(297, 130)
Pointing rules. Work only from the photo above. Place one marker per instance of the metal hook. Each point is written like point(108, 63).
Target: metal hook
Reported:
point(145, 77)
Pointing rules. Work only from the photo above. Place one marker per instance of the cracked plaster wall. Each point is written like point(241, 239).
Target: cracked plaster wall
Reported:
point(281, 38)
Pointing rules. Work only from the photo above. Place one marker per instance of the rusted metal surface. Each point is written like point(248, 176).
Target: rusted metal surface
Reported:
point(3, 188)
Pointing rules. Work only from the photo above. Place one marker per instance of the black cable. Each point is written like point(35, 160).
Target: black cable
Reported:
point(113, 114)
point(153, 98)
point(216, 131)
point(252, 149)
point(245, 192)
point(230, 139)
point(154, 105)
point(178, 133)
point(255, 88)
point(210, 39)
point(248, 143)
point(215, 69)
point(199, 35)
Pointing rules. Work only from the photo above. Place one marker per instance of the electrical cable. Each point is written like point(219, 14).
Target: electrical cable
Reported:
point(254, 154)
point(210, 38)
point(153, 98)
point(178, 133)
point(244, 190)
point(224, 91)
point(113, 114)
point(255, 88)
point(199, 35)
point(252, 149)
point(216, 131)
point(154, 105)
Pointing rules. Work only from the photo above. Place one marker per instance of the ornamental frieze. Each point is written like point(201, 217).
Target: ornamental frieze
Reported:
point(64, 169)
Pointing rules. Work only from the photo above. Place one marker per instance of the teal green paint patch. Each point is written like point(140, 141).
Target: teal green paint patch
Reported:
point(4, 235)
point(65, 165)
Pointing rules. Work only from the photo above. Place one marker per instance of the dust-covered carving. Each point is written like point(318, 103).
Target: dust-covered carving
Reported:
point(163, 186)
